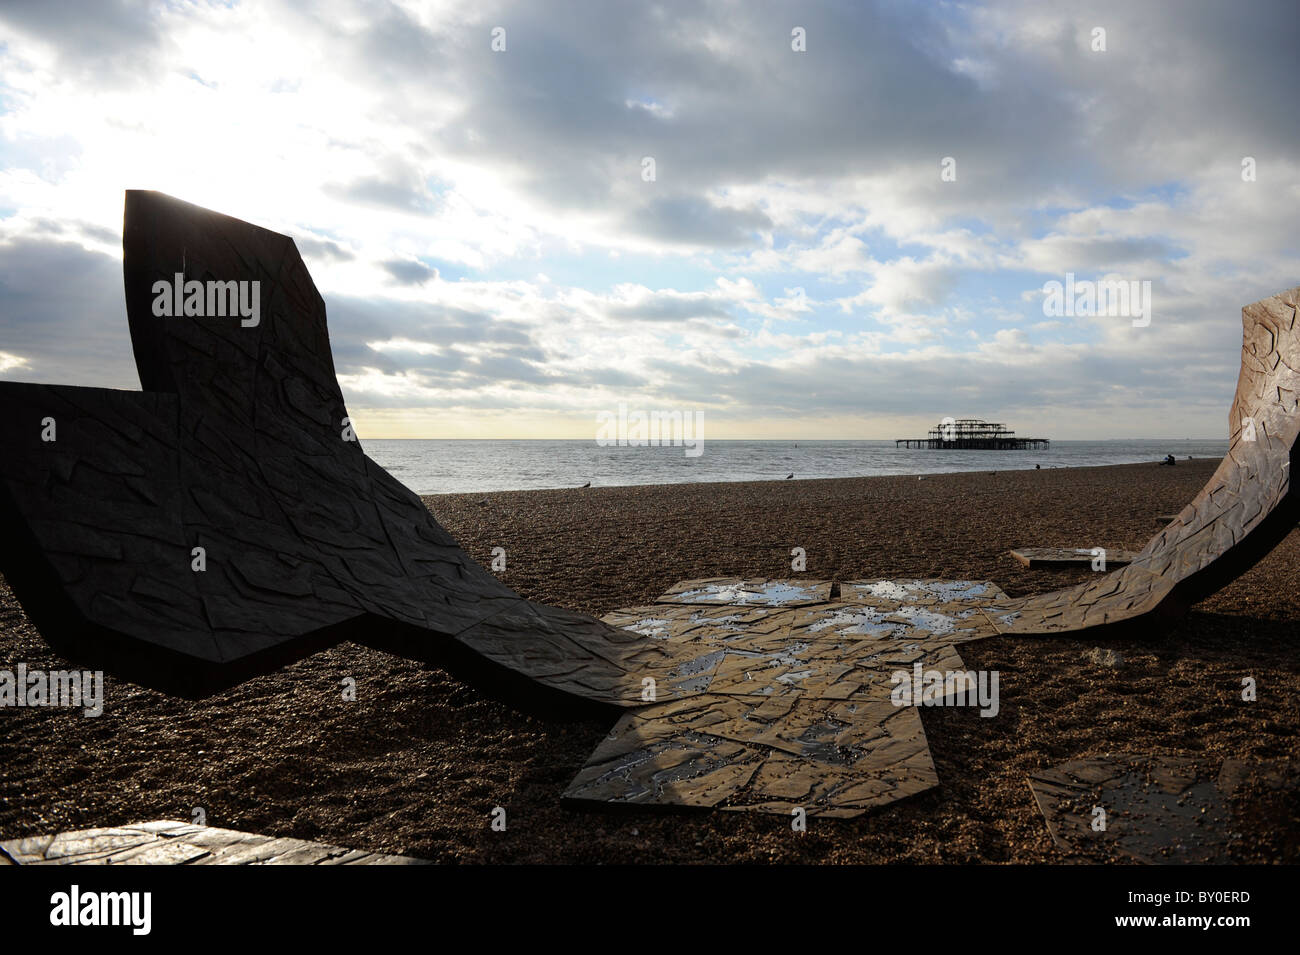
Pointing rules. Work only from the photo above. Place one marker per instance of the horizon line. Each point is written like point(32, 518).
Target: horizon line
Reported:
point(774, 440)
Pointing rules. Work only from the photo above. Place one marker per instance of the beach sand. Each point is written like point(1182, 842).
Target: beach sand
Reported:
point(417, 763)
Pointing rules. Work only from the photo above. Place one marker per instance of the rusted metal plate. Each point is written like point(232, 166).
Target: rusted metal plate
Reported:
point(240, 445)
point(896, 621)
point(920, 591)
point(760, 591)
point(1101, 558)
point(1145, 809)
point(1155, 809)
point(796, 709)
point(834, 758)
point(167, 842)
point(830, 650)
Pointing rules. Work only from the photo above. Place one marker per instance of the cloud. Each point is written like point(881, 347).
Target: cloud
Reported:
point(388, 135)
point(327, 249)
point(96, 41)
point(695, 221)
point(401, 194)
point(410, 272)
point(63, 314)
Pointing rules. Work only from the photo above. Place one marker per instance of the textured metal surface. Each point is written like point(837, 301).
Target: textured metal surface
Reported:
point(829, 757)
point(1153, 809)
point(1237, 518)
point(168, 842)
point(1070, 556)
point(756, 592)
point(1144, 809)
point(927, 590)
point(899, 621)
point(795, 707)
point(742, 693)
point(239, 445)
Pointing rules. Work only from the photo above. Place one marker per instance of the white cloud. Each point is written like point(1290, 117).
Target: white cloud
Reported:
point(484, 238)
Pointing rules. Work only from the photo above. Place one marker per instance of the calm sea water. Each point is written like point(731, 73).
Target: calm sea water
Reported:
point(447, 467)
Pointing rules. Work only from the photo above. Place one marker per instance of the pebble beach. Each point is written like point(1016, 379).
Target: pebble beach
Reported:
point(416, 764)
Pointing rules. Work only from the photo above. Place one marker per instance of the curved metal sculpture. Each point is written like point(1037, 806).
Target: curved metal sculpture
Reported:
point(224, 522)
point(1239, 516)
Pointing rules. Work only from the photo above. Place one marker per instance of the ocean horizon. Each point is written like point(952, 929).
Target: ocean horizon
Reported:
point(467, 465)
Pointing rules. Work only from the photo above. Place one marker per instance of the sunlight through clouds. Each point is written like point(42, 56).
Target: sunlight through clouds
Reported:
point(487, 240)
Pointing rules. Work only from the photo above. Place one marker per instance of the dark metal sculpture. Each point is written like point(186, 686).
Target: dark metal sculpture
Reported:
point(225, 521)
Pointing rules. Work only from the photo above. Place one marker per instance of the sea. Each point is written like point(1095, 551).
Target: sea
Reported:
point(436, 466)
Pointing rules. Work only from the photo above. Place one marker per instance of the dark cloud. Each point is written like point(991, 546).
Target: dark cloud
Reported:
point(883, 89)
point(689, 220)
point(354, 323)
point(1036, 122)
point(857, 383)
point(109, 41)
point(62, 308)
point(505, 367)
point(409, 271)
point(874, 91)
point(323, 249)
point(350, 357)
point(42, 227)
point(1108, 253)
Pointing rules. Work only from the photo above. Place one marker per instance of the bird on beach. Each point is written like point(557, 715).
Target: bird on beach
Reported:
point(588, 484)
point(790, 475)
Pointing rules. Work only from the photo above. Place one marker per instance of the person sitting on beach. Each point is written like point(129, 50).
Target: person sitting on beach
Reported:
point(1169, 460)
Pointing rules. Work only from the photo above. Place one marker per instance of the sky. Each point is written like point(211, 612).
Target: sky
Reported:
point(469, 186)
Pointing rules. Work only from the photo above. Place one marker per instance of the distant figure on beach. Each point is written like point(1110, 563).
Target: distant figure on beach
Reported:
point(1169, 460)
point(1038, 467)
point(790, 475)
point(588, 484)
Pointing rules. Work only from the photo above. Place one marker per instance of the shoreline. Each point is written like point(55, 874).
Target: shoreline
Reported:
point(439, 467)
point(798, 480)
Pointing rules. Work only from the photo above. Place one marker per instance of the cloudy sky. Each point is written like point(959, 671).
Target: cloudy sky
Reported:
point(496, 264)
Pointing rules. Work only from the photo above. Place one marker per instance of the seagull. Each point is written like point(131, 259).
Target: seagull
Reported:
point(790, 475)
